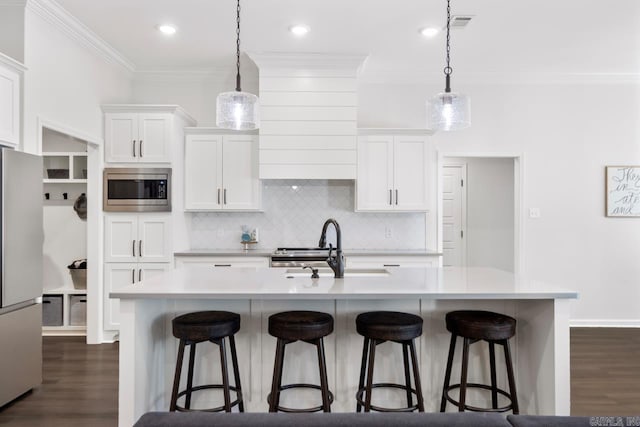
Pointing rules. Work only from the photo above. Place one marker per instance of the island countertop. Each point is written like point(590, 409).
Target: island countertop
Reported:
point(291, 284)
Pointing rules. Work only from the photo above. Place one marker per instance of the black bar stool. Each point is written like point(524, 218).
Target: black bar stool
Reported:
point(380, 326)
point(213, 326)
point(474, 326)
point(307, 326)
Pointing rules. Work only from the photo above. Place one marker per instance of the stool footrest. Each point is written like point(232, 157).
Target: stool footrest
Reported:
point(475, 408)
point(208, 387)
point(360, 400)
point(302, 410)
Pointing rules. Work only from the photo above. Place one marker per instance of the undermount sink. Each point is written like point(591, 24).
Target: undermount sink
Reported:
point(348, 272)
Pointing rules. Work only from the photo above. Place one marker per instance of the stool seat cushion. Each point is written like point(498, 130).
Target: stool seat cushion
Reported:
point(205, 325)
point(300, 325)
point(481, 325)
point(389, 325)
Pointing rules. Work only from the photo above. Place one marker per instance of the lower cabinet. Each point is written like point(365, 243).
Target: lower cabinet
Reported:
point(118, 275)
point(222, 262)
point(387, 261)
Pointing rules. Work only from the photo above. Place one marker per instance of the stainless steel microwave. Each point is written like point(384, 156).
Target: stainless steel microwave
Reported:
point(137, 190)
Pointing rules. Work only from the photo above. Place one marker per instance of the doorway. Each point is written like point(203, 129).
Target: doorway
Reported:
point(479, 211)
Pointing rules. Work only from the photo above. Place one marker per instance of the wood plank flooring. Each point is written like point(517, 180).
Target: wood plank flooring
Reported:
point(80, 385)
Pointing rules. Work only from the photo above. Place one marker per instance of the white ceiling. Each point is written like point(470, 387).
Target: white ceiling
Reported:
point(548, 37)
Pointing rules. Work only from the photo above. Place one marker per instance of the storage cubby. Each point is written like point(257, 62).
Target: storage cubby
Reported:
point(64, 312)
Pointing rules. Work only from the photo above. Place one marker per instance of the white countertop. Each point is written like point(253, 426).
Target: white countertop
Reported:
point(400, 283)
point(268, 252)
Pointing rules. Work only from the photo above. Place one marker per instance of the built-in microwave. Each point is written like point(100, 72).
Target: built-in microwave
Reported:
point(137, 190)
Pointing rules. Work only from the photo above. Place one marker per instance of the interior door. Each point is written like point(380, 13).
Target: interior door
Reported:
point(375, 173)
point(203, 172)
point(454, 215)
point(240, 172)
point(410, 170)
point(122, 137)
point(154, 133)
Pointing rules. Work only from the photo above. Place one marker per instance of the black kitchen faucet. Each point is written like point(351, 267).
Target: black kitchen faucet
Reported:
point(336, 262)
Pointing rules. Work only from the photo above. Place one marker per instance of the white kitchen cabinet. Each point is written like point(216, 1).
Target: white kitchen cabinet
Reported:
point(137, 137)
point(10, 106)
point(222, 262)
point(393, 261)
point(138, 238)
point(118, 275)
point(392, 173)
point(221, 173)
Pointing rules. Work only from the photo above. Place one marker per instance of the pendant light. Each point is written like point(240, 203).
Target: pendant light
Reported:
point(448, 110)
point(237, 110)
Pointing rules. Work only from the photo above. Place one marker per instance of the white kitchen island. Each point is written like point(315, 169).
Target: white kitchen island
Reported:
point(148, 349)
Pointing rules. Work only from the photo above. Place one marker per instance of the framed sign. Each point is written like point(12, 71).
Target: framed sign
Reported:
point(623, 191)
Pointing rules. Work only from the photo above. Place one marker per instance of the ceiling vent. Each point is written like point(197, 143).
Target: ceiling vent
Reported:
point(460, 21)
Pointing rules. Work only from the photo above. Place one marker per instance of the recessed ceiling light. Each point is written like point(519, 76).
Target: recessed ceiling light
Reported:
point(167, 29)
point(299, 30)
point(430, 31)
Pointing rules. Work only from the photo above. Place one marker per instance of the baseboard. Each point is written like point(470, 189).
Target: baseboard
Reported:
point(601, 323)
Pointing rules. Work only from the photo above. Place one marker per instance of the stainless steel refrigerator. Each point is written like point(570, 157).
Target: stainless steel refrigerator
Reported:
point(20, 273)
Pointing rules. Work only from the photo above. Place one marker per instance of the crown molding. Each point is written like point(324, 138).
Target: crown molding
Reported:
point(151, 108)
point(57, 16)
point(12, 63)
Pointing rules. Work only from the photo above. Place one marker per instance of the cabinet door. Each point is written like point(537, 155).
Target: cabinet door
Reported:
point(410, 156)
point(154, 133)
point(203, 172)
point(375, 173)
point(154, 239)
point(121, 238)
point(241, 186)
point(147, 271)
point(116, 276)
point(9, 106)
point(121, 133)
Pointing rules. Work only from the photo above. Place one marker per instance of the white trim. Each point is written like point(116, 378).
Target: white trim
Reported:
point(43, 122)
point(518, 226)
point(605, 323)
point(60, 18)
point(150, 108)
point(395, 131)
point(18, 66)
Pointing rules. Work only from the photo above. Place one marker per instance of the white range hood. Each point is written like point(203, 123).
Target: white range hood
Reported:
point(308, 109)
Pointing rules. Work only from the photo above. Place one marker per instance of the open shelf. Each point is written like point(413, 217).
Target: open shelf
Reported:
point(64, 167)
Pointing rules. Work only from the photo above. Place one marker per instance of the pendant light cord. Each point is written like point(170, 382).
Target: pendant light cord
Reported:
point(447, 70)
point(238, 48)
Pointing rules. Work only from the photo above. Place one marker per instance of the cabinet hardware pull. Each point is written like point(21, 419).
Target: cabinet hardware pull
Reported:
point(396, 197)
point(140, 275)
point(133, 248)
point(134, 148)
point(133, 276)
point(140, 145)
point(218, 196)
point(222, 265)
point(225, 196)
point(139, 248)
point(390, 197)
point(391, 265)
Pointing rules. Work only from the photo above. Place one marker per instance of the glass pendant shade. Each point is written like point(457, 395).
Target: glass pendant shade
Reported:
point(448, 111)
point(237, 111)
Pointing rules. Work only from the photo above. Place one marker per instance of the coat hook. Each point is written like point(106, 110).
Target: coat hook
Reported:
point(65, 195)
point(47, 196)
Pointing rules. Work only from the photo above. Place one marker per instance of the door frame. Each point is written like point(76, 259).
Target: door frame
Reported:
point(463, 219)
point(95, 147)
point(518, 199)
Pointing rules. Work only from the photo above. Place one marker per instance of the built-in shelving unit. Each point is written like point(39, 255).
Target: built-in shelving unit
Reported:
point(64, 168)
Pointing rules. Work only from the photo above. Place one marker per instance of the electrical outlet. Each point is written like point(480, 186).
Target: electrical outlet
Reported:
point(534, 212)
point(387, 232)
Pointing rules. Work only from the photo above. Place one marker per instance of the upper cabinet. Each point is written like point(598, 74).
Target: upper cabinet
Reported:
point(142, 133)
point(10, 94)
point(393, 173)
point(221, 172)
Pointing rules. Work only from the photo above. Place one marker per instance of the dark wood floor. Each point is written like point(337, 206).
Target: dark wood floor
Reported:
point(80, 385)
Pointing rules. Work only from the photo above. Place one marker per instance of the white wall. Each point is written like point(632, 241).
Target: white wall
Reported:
point(12, 30)
point(567, 133)
point(66, 82)
point(490, 210)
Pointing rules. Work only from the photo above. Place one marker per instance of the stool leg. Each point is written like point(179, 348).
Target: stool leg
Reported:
point(463, 375)
point(494, 387)
point(236, 372)
point(512, 381)
point(276, 381)
point(225, 376)
point(447, 375)
point(176, 378)
point(192, 357)
point(363, 368)
point(324, 386)
point(416, 377)
point(407, 375)
point(369, 389)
